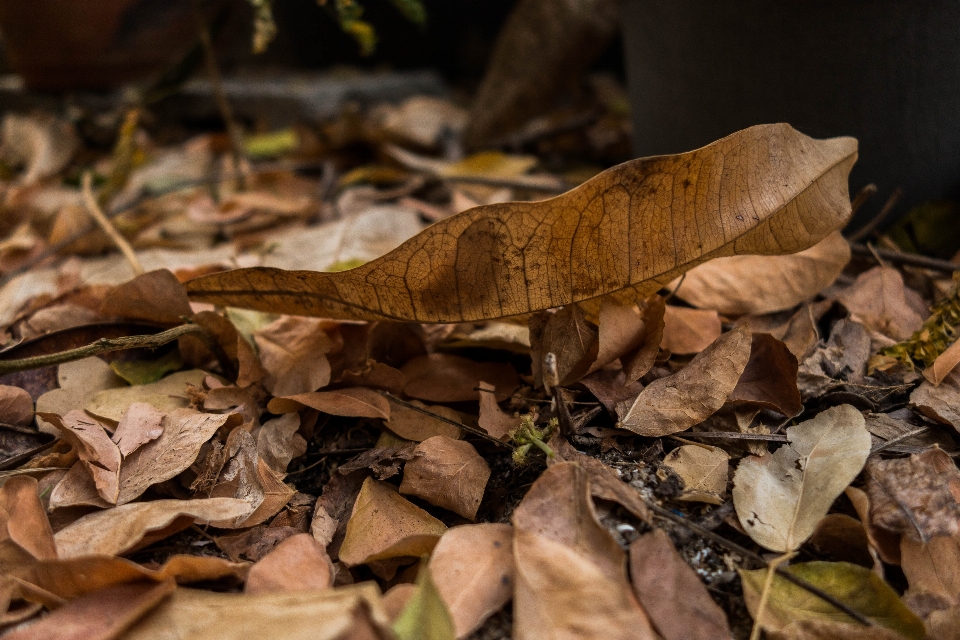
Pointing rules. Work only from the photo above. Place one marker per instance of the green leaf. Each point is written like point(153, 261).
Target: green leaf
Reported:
point(426, 616)
point(137, 372)
point(856, 586)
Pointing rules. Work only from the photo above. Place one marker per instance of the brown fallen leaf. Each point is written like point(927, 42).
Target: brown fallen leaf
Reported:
point(184, 433)
point(385, 525)
point(77, 488)
point(472, 568)
point(299, 563)
point(140, 423)
point(631, 334)
point(770, 378)
point(615, 233)
point(25, 533)
point(940, 402)
point(763, 284)
point(492, 419)
point(166, 395)
point(688, 330)
point(842, 538)
point(781, 498)
point(447, 473)
point(880, 301)
point(16, 405)
point(329, 614)
point(247, 477)
point(703, 471)
point(278, 441)
point(79, 382)
point(293, 351)
point(932, 566)
point(560, 593)
point(130, 526)
point(395, 600)
point(100, 615)
point(566, 334)
point(234, 345)
point(883, 427)
point(612, 389)
point(156, 296)
point(332, 511)
point(99, 454)
point(671, 593)
point(254, 543)
point(441, 377)
point(353, 402)
point(70, 578)
point(697, 391)
point(943, 365)
point(411, 424)
point(843, 358)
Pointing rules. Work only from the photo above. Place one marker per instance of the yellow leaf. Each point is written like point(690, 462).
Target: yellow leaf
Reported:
point(764, 190)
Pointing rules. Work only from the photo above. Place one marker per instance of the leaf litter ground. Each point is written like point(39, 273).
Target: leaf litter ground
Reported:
point(634, 465)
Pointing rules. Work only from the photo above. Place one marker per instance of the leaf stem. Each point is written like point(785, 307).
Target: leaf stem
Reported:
point(436, 416)
point(93, 208)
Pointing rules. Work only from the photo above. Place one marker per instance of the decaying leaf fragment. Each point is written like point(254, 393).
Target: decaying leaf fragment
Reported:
point(860, 588)
point(293, 351)
point(781, 498)
point(767, 189)
point(447, 473)
point(693, 394)
point(472, 568)
point(703, 470)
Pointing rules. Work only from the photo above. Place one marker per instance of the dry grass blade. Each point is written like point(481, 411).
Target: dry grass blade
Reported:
point(766, 190)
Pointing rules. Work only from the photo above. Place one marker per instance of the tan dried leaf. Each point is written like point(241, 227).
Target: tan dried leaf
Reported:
point(492, 419)
point(943, 365)
point(278, 441)
point(165, 395)
point(79, 382)
point(385, 525)
point(442, 377)
point(932, 566)
point(672, 594)
point(299, 563)
point(96, 450)
point(155, 296)
point(293, 351)
point(688, 330)
point(411, 424)
point(130, 526)
point(472, 568)
point(447, 473)
point(184, 433)
point(940, 402)
point(16, 405)
point(880, 301)
point(781, 498)
point(631, 334)
point(330, 614)
point(353, 402)
point(752, 191)
point(693, 394)
point(763, 284)
point(140, 423)
point(566, 334)
point(23, 525)
point(703, 470)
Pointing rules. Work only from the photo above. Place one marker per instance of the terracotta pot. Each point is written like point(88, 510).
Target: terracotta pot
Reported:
point(73, 44)
point(885, 71)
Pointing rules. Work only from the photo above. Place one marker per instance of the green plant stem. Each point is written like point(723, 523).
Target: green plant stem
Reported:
point(106, 345)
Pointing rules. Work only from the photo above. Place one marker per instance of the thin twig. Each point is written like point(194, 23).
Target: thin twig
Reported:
point(436, 416)
point(909, 259)
point(19, 428)
point(690, 442)
point(326, 454)
point(733, 546)
point(893, 441)
point(735, 435)
point(676, 288)
point(13, 461)
point(867, 192)
point(223, 105)
point(93, 208)
point(106, 345)
point(537, 400)
point(868, 229)
point(551, 382)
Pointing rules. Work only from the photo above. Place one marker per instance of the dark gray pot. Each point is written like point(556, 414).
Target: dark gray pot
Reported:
point(885, 71)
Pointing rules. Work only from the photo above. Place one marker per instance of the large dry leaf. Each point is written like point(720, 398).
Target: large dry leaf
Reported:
point(880, 300)
point(299, 563)
point(25, 534)
point(293, 351)
point(671, 593)
point(781, 498)
point(770, 379)
point(696, 392)
point(764, 284)
point(166, 395)
point(560, 593)
point(688, 330)
point(353, 402)
point(184, 432)
point(447, 473)
point(120, 529)
point(932, 566)
point(16, 405)
point(472, 568)
point(79, 382)
point(156, 296)
point(767, 190)
point(385, 525)
point(703, 470)
point(101, 615)
point(313, 615)
point(855, 586)
point(442, 377)
point(141, 423)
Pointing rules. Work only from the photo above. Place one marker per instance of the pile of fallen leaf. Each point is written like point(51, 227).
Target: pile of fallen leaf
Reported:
point(664, 404)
